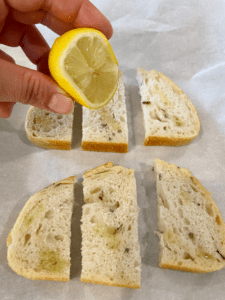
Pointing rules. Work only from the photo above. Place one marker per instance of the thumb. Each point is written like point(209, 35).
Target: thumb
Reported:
point(19, 84)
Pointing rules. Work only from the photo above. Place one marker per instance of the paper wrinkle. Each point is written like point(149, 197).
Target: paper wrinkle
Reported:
point(134, 24)
point(200, 73)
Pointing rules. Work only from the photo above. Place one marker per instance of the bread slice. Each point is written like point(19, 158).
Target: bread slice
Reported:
point(110, 247)
point(170, 118)
point(191, 228)
point(49, 130)
point(39, 243)
point(106, 129)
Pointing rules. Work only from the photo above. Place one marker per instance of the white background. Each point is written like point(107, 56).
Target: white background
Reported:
point(185, 40)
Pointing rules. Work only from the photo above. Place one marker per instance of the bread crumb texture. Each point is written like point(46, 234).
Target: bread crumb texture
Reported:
point(106, 129)
point(170, 118)
point(49, 130)
point(39, 243)
point(110, 247)
point(191, 228)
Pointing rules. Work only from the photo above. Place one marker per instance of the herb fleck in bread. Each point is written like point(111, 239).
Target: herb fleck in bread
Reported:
point(170, 118)
point(106, 129)
point(110, 248)
point(191, 228)
point(49, 130)
point(39, 243)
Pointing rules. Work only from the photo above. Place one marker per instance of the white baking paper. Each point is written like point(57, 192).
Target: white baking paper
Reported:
point(185, 40)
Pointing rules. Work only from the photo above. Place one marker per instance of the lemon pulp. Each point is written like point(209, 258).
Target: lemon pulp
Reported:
point(88, 66)
point(82, 62)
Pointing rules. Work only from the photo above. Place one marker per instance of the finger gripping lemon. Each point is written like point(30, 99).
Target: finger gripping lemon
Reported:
point(82, 62)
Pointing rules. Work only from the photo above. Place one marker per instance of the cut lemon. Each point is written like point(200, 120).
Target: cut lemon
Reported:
point(82, 62)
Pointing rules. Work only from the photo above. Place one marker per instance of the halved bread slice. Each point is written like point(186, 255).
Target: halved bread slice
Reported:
point(49, 130)
point(39, 243)
point(170, 118)
point(106, 129)
point(110, 247)
point(191, 228)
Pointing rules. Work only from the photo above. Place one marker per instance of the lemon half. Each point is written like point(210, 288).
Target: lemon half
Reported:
point(82, 62)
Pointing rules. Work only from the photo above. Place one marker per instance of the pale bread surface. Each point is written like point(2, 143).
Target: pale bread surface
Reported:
point(49, 130)
point(170, 118)
point(190, 226)
point(106, 129)
point(110, 247)
point(39, 242)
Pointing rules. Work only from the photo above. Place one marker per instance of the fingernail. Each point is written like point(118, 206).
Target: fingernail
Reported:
point(61, 104)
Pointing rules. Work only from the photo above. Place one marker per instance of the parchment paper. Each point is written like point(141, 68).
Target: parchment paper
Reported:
point(185, 40)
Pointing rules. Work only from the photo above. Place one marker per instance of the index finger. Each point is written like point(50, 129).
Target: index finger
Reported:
point(60, 15)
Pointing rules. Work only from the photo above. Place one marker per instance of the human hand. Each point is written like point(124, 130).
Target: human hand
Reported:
point(20, 84)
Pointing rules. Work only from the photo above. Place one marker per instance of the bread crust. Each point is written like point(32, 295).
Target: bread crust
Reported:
point(12, 260)
point(107, 282)
point(167, 141)
point(187, 269)
point(98, 169)
point(105, 147)
point(49, 144)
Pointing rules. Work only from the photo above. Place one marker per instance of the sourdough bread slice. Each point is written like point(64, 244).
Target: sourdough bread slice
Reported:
point(106, 129)
point(49, 130)
point(191, 228)
point(39, 243)
point(170, 119)
point(110, 247)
